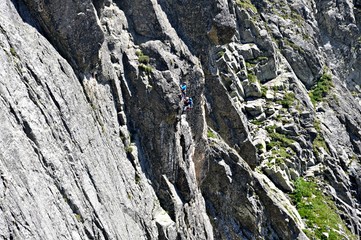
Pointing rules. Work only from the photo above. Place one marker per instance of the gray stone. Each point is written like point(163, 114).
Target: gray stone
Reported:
point(279, 178)
point(223, 27)
point(249, 51)
point(290, 129)
point(252, 89)
point(255, 108)
point(268, 70)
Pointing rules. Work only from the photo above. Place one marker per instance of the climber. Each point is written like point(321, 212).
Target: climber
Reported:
point(183, 88)
point(187, 104)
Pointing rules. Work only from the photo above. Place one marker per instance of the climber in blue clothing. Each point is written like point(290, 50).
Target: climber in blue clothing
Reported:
point(183, 88)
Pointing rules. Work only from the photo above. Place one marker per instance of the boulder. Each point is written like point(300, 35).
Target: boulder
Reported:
point(251, 89)
point(279, 178)
point(255, 108)
point(249, 51)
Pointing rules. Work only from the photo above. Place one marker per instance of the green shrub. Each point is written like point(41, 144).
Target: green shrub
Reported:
point(257, 122)
point(321, 89)
point(293, 46)
point(13, 52)
point(211, 134)
point(252, 78)
point(319, 141)
point(288, 100)
point(145, 68)
point(306, 37)
point(260, 59)
point(281, 139)
point(294, 16)
point(79, 218)
point(250, 67)
point(137, 178)
point(138, 53)
point(319, 212)
point(317, 125)
point(129, 149)
point(276, 88)
point(271, 129)
point(279, 161)
point(221, 53)
point(281, 152)
point(130, 196)
point(143, 62)
point(279, 142)
point(233, 94)
point(264, 90)
point(259, 146)
point(141, 57)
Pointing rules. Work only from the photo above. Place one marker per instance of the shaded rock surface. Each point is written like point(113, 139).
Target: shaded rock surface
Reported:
point(94, 143)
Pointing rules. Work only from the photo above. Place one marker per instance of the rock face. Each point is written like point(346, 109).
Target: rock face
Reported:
point(95, 144)
point(72, 27)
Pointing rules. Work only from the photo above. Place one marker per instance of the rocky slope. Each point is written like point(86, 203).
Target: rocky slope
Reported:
point(93, 144)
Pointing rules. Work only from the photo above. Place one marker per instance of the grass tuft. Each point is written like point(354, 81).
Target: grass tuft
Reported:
point(247, 4)
point(279, 140)
point(319, 142)
point(145, 68)
point(13, 52)
point(319, 212)
point(321, 89)
point(288, 100)
point(211, 134)
point(252, 78)
point(143, 62)
point(129, 149)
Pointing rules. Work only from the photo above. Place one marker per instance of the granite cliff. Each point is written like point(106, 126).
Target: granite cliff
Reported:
point(94, 145)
